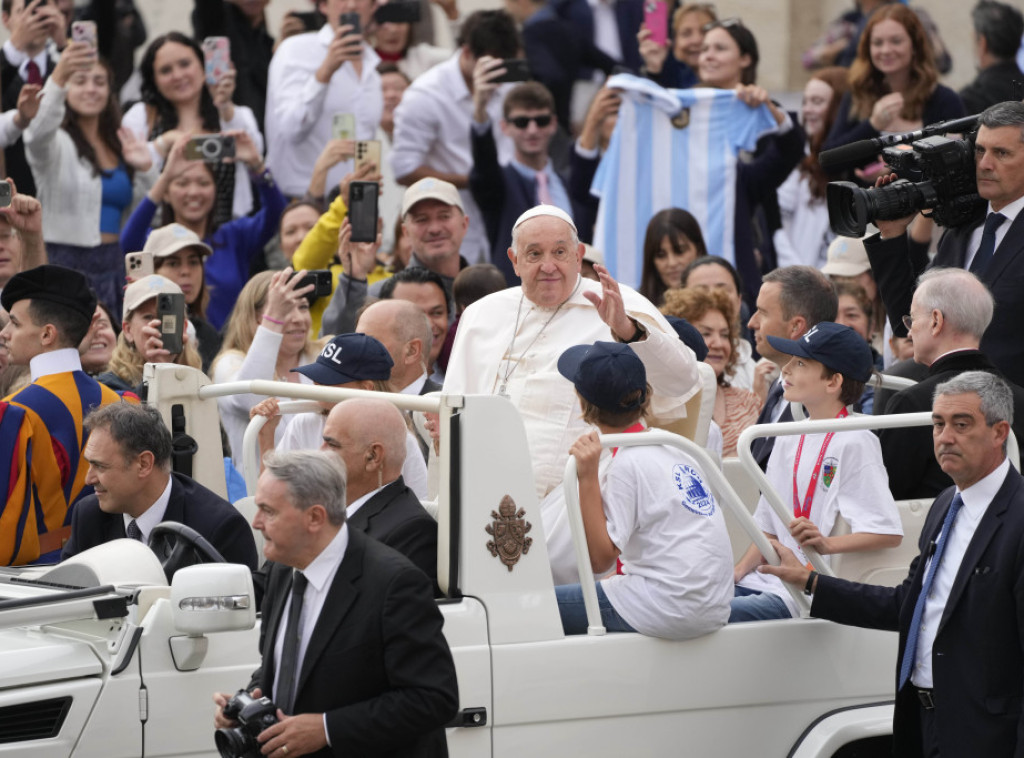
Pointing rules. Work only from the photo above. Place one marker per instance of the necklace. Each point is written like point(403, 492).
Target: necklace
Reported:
point(510, 369)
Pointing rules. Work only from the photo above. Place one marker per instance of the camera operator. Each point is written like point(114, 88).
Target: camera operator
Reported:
point(356, 618)
point(991, 245)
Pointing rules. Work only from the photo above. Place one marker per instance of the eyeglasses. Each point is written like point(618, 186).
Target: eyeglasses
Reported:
point(521, 122)
point(908, 321)
point(724, 23)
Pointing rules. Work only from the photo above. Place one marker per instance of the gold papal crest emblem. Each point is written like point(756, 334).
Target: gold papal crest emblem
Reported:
point(509, 530)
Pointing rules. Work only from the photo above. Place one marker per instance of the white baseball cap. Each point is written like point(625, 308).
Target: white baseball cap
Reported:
point(145, 289)
point(431, 189)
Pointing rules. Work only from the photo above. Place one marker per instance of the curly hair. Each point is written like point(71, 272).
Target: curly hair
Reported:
point(693, 304)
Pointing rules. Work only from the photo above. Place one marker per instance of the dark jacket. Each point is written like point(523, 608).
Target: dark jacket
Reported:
point(992, 85)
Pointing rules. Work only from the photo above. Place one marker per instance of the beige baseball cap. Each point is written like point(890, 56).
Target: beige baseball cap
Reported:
point(846, 257)
point(431, 189)
point(167, 240)
point(145, 289)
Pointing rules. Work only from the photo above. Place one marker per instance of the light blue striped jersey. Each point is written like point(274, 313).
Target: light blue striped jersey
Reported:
point(651, 165)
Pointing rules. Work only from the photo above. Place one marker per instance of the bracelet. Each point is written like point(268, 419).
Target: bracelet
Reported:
point(809, 587)
point(273, 320)
point(638, 335)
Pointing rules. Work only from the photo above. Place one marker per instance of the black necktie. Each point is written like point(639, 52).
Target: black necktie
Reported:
point(774, 396)
point(288, 673)
point(988, 243)
point(133, 531)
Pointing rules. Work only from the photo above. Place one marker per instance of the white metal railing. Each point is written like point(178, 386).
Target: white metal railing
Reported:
point(725, 495)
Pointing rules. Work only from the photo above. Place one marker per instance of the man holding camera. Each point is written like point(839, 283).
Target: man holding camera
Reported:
point(991, 246)
point(353, 654)
point(314, 77)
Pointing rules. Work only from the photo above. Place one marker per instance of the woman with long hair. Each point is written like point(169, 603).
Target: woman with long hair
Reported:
point(186, 193)
point(89, 173)
point(672, 242)
point(176, 100)
point(805, 233)
point(713, 314)
point(893, 83)
point(266, 337)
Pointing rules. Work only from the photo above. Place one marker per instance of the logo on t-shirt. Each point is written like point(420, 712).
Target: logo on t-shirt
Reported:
point(696, 495)
point(829, 469)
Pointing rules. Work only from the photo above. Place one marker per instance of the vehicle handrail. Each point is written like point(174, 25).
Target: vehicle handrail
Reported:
point(724, 494)
point(251, 444)
point(423, 403)
point(790, 428)
point(879, 381)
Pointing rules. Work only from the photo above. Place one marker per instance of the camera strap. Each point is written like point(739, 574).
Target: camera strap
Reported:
point(183, 447)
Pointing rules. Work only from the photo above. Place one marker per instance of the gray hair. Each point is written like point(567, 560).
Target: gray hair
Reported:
point(1010, 113)
point(806, 292)
point(136, 429)
point(995, 394)
point(962, 299)
point(573, 234)
point(313, 477)
point(412, 325)
point(1001, 25)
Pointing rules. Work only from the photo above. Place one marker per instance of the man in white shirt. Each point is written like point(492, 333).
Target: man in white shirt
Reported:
point(433, 120)
point(312, 78)
point(331, 591)
point(961, 656)
point(508, 343)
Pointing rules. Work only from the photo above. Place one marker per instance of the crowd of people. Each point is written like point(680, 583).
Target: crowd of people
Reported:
point(518, 181)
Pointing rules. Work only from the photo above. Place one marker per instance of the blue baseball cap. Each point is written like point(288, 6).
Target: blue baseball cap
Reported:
point(604, 373)
point(689, 335)
point(835, 346)
point(349, 358)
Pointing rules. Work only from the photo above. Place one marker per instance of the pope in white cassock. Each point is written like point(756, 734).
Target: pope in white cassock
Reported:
point(508, 343)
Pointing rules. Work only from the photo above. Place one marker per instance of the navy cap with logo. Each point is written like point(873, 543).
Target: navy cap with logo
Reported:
point(54, 284)
point(839, 348)
point(689, 335)
point(604, 374)
point(349, 358)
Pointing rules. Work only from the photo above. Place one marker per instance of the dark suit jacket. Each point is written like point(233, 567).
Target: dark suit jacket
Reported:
point(908, 453)
point(978, 656)
point(14, 156)
point(762, 447)
point(908, 368)
point(503, 195)
point(992, 85)
point(1004, 276)
point(191, 504)
point(629, 14)
point(395, 517)
point(377, 663)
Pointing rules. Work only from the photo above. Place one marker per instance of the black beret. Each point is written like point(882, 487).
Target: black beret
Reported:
point(689, 335)
point(54, 284)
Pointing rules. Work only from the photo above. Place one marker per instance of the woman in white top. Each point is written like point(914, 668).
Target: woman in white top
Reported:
point(176, 99)
point(89, 174)
point(266, 337)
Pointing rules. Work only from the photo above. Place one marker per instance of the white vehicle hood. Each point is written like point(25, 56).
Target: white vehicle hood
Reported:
point(33, 657)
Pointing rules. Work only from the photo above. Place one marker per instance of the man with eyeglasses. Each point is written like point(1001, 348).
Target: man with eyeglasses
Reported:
point(508, 343)
point(503, 193)
point(950, 311)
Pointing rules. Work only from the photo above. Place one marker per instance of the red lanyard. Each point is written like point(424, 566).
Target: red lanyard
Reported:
point(805, 509)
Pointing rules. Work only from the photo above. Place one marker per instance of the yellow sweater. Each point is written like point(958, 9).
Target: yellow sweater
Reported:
point(319, 249)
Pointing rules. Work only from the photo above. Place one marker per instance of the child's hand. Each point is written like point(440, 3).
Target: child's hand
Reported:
point(807, 535)
point(587, 452)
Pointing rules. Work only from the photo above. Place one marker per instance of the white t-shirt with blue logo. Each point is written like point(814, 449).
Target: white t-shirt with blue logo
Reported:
point(853, 483)
point(675, 548)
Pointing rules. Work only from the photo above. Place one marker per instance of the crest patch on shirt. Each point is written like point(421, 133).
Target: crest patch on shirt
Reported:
point(829, 469)
point(696, 495)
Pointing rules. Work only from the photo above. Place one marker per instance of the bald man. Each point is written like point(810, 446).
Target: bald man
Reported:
point(369, 437)
point(406, 333)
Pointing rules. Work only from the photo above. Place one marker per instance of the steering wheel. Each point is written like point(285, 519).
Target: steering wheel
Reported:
point(177, 546)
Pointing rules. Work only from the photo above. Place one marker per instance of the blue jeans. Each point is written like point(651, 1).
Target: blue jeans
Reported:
point(751, 605)
point(574, 612)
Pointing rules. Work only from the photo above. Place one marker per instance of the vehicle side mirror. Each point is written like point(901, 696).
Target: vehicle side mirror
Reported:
point(210, 597)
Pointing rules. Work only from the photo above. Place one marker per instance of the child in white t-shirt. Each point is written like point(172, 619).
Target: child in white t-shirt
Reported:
point(822, 476)
point(654, 513)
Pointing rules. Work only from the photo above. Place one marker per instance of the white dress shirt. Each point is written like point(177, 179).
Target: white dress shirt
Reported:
point(977, 499)
point(432, 127)
point(54, 362)
point(355, 505)
point(1010, 211)
point(300, 110)
point(320, 575)
point(484, 357)
point(152, 515)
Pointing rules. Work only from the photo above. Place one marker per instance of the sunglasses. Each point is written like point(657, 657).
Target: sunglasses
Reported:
point(725, 23)
point(521, 122)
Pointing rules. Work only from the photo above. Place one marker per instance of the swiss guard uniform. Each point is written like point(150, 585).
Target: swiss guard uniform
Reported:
point(42, 436)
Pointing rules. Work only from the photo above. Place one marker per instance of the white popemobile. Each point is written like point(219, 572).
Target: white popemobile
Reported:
point(99, 656)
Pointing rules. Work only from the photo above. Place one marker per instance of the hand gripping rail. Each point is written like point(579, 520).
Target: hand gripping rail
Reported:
point(725, 495)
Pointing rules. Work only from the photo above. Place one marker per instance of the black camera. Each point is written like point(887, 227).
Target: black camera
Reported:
point(253, 716)
point(936, 173)
point(210, 148)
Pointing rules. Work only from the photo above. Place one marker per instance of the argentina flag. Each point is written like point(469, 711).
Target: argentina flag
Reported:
point(671, 148)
